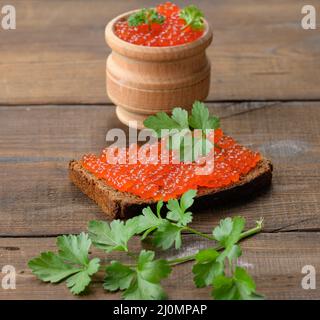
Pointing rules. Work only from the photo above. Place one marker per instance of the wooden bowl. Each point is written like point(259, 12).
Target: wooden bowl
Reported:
point(144, 80)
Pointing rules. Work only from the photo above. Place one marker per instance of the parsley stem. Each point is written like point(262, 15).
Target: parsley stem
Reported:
point(252, 231)
point(104, 266)
point(243, 235)
point(198, 233)
point(176, 261)
point(186, 26)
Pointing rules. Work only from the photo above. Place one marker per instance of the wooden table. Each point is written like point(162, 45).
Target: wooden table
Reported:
point(265, 87)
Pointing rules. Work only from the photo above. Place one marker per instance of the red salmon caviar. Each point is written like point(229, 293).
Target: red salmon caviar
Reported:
point(155, 180)
point(170, 33)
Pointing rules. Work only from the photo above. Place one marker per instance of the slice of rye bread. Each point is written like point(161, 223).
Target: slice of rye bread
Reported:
point(120, 205)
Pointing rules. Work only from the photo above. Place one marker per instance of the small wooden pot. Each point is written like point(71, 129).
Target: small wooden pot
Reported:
point(144, 80)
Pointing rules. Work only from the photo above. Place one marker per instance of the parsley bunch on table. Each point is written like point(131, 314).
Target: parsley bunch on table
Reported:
point(215, 266)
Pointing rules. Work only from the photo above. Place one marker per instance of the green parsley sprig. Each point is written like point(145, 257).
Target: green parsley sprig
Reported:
point(145, 16)
point(193, 17)
point(215, 266)
point(71, 263)
point(187, 133)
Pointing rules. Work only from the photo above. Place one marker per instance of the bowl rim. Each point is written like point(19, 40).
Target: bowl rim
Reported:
point(113, 39)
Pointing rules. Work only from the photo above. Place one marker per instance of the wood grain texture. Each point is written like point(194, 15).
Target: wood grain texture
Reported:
point(36, 144)
point(57, 53)
point(274, 260)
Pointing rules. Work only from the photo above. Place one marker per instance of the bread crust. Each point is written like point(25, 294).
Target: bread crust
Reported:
point(120, 205)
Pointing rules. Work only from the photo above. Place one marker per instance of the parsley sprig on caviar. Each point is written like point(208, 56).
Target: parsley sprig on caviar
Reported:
point(215, 267)
point(191, 15)
point(188, 133)
point(145, 16)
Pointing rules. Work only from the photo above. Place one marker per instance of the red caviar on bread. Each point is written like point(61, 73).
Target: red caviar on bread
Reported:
point(150, 180)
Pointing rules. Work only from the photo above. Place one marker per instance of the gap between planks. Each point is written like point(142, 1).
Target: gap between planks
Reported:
point(235, 101)
point(47, 236)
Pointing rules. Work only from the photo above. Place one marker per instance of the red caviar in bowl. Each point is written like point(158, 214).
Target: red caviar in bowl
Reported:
point(169, 33)
point(156, 180)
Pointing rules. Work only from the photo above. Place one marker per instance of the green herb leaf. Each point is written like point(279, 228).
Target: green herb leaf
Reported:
point(193, 17)
point(228, 234)
point(200, 118)
point(148, 221)
point(187, 199)
point(229, 230)
point(137, 18)
point(80, 280)
point(118, 277)
point(71, 262)
point(238, 287)
point(167, 234)
point(49, 267)
point(159, 207)
point(140, 283)
point(177, 211)
point(149, 273)
point(114, 236)
point(145, 16)
point(232, 253)
point(154, 17)
point(190, 144)
point(162, 121)
point(181, 117)
point(179, 138)
point(193, 148)
point(207, 267)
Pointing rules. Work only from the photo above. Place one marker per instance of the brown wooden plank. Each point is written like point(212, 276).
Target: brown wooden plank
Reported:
point(36, 144)
point(274, 260)
point(57, 53)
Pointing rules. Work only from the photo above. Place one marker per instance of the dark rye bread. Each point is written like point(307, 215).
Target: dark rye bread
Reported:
point(121, 205)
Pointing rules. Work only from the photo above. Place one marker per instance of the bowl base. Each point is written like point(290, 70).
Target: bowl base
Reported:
point(130, 119)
